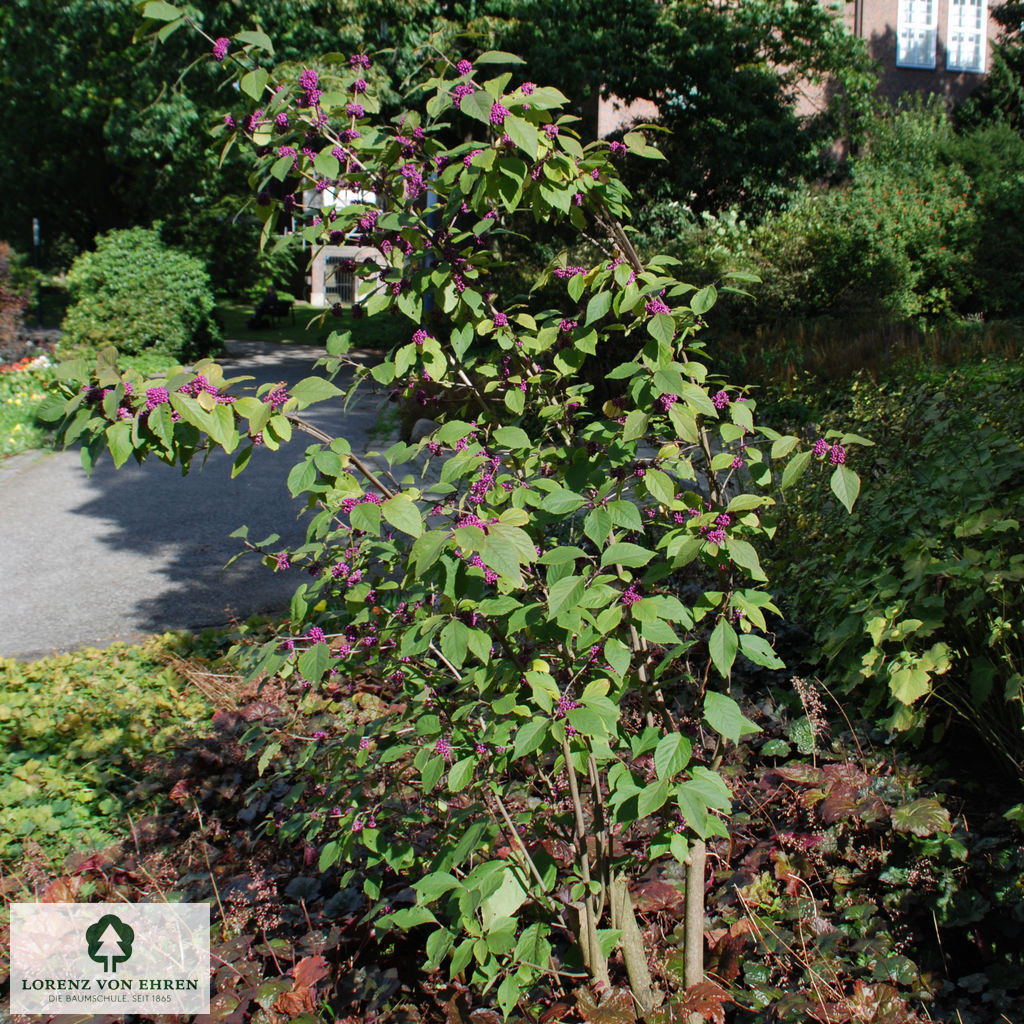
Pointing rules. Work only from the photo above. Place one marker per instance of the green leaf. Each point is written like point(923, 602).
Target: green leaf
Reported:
point(759, 651)
point(586, 721)
point(253, 37)
point(795, 468)
point(427, 548)
point(659, 486)
point(530, 736)
point(636, 424)
point(513, 437)
point(671, 755)
point(618, 655)
point(743, 554)
point(314, 389)
point(439, 945)
point(562, 501)
point(624, 553)
point(301, 476)
point(460, 775)
point(652, 797)
point(454, 642)
point(160, 11)
point(722, 647)
point(909, 683)
point(523, 134)
point(723, 714)
point(519, 539)
point(704, 299)
point(314, 662)
point(461, 957)
point(560, 555)
point(923, 817)
point(366, 517)
point(508, 994)
point(430, 887)
point(269, 753)
point(401, 512)
point(330, 854)
point(533, 946)
point(597, 307)
point(500, 554)
point(51, 409)
point(782, 446)
point(478, 105)
point(662, 328)
point(597, 525)
point(566, 591)
point(119, 441)
point(845, 485)
point(711, 787)
point(497, 57)
point(432, 772)
point(254, 82)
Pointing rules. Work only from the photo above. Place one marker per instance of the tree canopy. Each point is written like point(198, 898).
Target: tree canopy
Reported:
point(109, 126)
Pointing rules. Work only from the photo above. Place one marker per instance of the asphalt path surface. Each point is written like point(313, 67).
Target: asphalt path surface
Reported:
point(122, 554)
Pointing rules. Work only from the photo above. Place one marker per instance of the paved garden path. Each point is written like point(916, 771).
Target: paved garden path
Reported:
point(140, 550)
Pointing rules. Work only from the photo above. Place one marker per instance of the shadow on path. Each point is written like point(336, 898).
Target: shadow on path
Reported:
point(129, 552)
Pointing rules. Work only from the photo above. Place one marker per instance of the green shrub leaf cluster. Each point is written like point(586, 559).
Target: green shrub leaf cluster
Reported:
point(137, 294)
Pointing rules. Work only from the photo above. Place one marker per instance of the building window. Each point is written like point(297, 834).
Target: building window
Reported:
point(339, 284)
point(965, 40)
point(917, 30)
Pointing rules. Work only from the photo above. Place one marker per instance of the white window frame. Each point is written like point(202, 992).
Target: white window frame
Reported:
point(957, 10)
point(917, 26)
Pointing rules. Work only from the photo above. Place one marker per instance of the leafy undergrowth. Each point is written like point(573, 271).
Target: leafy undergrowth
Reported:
point(850, 889)
point(76, 731)
point(22, 388)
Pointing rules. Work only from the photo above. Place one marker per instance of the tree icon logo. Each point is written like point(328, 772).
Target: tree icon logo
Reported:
point(110, 941)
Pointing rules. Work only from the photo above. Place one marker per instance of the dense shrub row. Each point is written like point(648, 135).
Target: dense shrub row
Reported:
point(923, 228)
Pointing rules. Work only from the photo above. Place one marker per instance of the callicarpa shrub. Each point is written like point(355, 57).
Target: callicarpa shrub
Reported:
point(515, 578)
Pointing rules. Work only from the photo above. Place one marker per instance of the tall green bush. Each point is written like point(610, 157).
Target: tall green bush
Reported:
point(520, 602)
point(135, 293)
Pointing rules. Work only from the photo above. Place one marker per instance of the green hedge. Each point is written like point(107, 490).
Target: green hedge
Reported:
point(136, 293)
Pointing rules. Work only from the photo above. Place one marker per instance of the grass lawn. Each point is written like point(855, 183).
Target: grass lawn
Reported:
point(312, 326)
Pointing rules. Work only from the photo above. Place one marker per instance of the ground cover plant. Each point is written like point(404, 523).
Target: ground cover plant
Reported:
point(75, 731)
point(555, 607)
point(22, 387)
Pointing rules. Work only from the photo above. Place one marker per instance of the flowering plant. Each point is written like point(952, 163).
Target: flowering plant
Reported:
point(515, 578)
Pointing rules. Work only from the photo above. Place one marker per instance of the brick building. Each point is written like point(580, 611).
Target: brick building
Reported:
point(935, 46)
point(928, 46)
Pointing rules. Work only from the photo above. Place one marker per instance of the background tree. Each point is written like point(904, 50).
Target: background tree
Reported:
point(111, 145)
